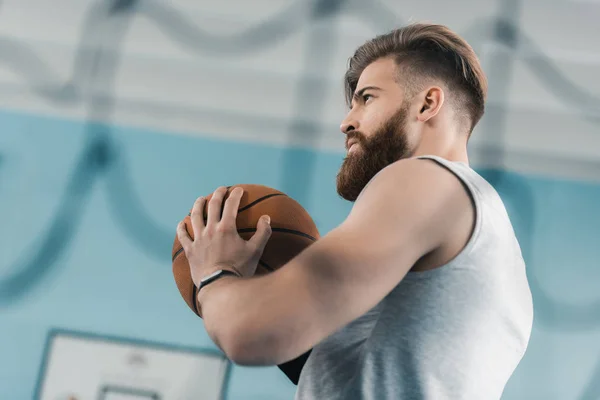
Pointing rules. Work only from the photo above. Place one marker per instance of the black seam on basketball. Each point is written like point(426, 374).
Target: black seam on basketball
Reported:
point(178, 252)
point(255, 202)
point(267, 266)
point(249, 230)
point(261, 262)
point(281, 230)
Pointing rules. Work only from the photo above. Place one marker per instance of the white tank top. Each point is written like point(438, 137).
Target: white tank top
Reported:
point(454, 332)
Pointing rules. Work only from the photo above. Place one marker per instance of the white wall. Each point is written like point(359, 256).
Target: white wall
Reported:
point(208, 68)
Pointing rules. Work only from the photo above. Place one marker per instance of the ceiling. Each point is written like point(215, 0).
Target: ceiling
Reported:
point(271, 71)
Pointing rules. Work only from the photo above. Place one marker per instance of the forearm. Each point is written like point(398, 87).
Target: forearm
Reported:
point(215, 304)
point(248, 318)
point(271, 319)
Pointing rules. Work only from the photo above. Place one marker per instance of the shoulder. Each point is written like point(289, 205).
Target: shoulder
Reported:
point(414, 196)
point(409, 180)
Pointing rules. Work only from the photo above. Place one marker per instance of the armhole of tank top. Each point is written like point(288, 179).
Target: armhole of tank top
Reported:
point(475, 201)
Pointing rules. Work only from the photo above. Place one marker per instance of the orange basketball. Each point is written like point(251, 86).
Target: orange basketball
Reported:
point(292, 231)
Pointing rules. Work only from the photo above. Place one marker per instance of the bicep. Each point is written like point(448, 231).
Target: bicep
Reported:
point(409, 210)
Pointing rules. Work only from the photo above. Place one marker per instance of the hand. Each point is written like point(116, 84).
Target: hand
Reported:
point(217, 245)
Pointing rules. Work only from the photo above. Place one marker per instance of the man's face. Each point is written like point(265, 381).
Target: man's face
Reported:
point(375, 128)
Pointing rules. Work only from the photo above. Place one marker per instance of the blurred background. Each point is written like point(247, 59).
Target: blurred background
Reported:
point(115, 115)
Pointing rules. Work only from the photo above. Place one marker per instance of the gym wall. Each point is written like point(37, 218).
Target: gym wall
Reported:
point(116, 115)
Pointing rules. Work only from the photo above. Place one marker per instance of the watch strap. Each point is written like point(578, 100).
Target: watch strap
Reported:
point(214, 276)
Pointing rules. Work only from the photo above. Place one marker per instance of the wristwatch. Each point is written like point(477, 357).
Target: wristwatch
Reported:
point(214, 276)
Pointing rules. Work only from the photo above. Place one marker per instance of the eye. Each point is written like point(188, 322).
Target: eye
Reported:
point(366, 97)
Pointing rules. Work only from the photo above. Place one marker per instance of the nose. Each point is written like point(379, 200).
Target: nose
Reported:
point(348, 125)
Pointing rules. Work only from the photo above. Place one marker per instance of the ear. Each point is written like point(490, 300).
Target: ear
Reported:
point(431, 104)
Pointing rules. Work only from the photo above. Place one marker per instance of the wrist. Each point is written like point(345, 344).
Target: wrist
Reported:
point(214, 284)
point(214, 273)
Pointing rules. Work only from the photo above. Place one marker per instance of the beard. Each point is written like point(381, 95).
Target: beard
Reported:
point(388, 145)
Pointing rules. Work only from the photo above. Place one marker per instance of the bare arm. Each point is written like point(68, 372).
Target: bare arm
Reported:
point(408, 210)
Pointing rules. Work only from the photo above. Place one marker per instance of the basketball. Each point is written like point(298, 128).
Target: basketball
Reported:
point(292, 230)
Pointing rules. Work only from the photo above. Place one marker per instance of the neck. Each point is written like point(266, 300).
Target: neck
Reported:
point(450, 146)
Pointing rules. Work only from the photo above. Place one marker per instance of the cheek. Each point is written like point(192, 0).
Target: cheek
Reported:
point(371, 121)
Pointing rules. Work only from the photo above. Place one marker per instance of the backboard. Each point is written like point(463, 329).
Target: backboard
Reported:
point(81, 366)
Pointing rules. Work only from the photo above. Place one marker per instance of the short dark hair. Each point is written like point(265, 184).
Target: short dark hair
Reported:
point(425, 51)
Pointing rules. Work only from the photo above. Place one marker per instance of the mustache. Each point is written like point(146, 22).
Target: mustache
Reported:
point(356, 136)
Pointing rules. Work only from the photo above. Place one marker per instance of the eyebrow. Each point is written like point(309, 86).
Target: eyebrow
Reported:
point(360, 92)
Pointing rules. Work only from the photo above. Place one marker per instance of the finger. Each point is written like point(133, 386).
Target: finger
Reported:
point(230, 211)
point(215, 205)
point(263, 233)
point(197, 217)
point(183, 236)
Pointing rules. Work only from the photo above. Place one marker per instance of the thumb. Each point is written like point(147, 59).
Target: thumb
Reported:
point(263, 232)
